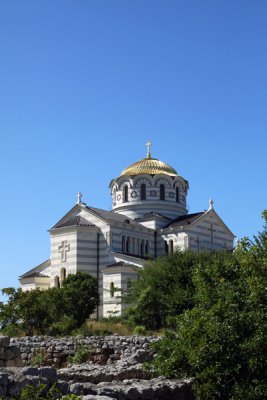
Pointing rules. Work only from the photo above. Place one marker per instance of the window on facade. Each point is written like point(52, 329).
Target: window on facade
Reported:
point(162, 192)
point(146, 247)
point(166, 247)
point(63, 274)
point(56, 282)
point(177, 195)
point(127, 245)
point(125, 197)
point(123, 244)
point(112, 289)
point(143, 191)
point(171, 246)
point(142, 248)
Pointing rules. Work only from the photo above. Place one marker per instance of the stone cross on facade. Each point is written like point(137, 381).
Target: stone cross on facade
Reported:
point(148, 144)
point(198, 241)
point(63, 248)
point(211, 233)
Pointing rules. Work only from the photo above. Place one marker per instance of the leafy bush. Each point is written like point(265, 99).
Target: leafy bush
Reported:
point(52, 311)
point(222, 341)
point(164, 289)
point(39, 358)
point(64, 326)
point(12, 330)
point(81, 354)
point(40, 392)
point(139, 330)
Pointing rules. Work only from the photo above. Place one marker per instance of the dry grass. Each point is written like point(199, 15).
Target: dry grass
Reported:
point(108, 327)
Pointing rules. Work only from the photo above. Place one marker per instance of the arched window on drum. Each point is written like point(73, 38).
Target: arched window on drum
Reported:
point(177, 195)
point(125, 194)
point(162, 192)
point(143, 191)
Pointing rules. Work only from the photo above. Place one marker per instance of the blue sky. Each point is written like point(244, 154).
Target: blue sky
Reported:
point(84, 84)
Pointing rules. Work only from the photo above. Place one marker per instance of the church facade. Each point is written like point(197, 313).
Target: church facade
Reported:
point(149, 218)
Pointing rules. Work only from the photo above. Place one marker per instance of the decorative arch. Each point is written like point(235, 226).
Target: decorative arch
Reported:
point(166, 180)
point(124, 180)
point(143, 178)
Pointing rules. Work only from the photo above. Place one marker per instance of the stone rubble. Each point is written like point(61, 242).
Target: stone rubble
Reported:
point(114, 372)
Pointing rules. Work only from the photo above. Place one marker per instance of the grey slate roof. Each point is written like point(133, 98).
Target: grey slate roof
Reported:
point(76, 221)
point(110, 215)
point(37, 269)
point(132, 255)
point(35, 275)
point(183, 220)
point(119, 264)
point(150, 216)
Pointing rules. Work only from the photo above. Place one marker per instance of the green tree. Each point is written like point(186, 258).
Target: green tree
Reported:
point(80, 294)
point(51, 311)
point(164, 289)
point(222, 341)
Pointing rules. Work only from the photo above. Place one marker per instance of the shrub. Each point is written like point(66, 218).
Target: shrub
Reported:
point(139, 330)
point(163, 290)
point(222, 341)
point(39, 358)
point(81, 354)
point(40, 392)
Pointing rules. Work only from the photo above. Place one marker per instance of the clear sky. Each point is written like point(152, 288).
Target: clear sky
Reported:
point(84, 84)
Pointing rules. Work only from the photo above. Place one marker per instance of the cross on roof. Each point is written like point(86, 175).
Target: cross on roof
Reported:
point(148, 144)
point(63, 248)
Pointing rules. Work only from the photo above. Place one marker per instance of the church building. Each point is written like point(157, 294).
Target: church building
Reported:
point(149, 219)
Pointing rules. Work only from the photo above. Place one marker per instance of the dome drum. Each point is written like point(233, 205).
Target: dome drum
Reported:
point(147, 186)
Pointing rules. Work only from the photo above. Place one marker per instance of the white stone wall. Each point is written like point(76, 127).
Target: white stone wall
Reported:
point(119, 279)
point(210, 233)
point(136, 237)
point(207, 233)
point(66, 237)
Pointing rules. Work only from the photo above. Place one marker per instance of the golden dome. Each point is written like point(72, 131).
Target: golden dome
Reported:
point(149, 165)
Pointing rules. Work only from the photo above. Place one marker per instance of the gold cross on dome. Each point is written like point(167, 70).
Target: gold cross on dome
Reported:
point(148, 144)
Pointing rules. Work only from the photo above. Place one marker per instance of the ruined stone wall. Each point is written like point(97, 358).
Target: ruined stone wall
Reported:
point(9, 355)
point(115, 371)
point(104, 349)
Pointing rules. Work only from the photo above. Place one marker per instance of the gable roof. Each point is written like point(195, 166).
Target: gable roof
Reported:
point(184, 220)
point(75, 221)
point(37, 271)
